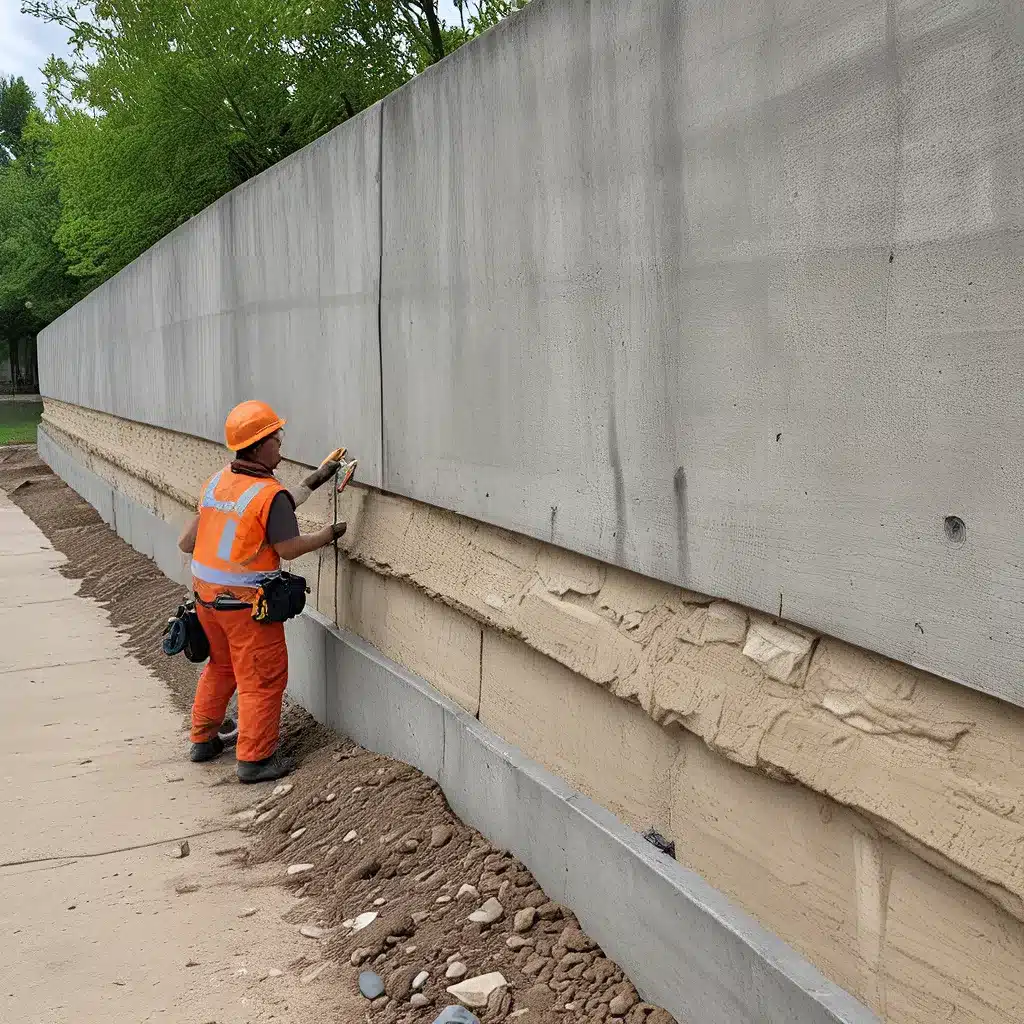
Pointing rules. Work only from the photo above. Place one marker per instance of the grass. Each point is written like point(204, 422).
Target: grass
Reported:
point(18, 422)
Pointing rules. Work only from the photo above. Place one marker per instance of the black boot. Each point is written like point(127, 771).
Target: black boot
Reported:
point(207, 750)
point(274, 767)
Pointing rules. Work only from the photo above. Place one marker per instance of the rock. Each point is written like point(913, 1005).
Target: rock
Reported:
point(524, 919)
point(371, 985)
point(439, 835)
point(420, 980)
point(267, 816)
point(456, 970)
point(419, 1000)
point(180, 851)
point(499, 1002)
point(249, 815)
point(576, 941)
point(299, 869)
point(535, 965)
point(476, 991)
point(408, 846)
point(349, 836)
point(362, 921)
point(419, 917)
point(399, 985)
point(455, 1015)
point(622, 1004)
point(518, 942)
point(409, 950)
point(359, 956)
point(331, 797)
point(317, 970)
point(283, 790)
point(366, 868)
point(469, 890)
point(311, 931)
point(535, 899)
point(538, 998)
point(274, 973)
point(443, 899)
point(297, 833)
point(379, 1003)
point(490, 912)
point(549, 911)
point(248, 912)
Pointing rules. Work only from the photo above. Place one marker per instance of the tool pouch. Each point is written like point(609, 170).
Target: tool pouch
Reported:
point(280, 598)
point(184, 634)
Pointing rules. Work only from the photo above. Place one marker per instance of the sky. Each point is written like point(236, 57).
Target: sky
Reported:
point(25, 45)
point(27, 42)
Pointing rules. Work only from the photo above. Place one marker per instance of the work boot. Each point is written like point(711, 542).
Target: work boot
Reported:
point(207, 750)
point(277, 766)
point(227, 736)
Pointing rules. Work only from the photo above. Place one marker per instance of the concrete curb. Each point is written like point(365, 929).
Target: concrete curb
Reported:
point(682, 942)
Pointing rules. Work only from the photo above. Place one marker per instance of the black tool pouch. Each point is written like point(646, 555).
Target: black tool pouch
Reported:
point(184, 634)
point(280, 598)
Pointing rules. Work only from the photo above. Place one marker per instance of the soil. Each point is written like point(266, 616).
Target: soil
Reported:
point(378, 835)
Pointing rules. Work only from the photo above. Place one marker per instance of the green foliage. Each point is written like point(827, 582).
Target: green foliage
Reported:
point(15, 105)
point(165, 105)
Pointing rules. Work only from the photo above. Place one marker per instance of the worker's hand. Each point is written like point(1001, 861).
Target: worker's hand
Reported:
point(320, 476)
point(330, 534)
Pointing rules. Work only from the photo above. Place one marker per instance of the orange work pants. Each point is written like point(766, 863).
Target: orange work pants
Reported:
point(253, 657)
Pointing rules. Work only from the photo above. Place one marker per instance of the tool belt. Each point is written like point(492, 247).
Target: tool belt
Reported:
point(184, 634)
point(281, 597)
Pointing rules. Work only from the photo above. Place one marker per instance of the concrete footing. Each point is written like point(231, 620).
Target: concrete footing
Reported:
point(684, 945)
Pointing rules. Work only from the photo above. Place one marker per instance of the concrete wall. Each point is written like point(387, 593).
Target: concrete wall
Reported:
point(866, 813)
point(724, 295)
point(684, 944)
point(270, 292)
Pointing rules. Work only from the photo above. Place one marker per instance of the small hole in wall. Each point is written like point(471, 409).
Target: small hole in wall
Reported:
point(955, 529)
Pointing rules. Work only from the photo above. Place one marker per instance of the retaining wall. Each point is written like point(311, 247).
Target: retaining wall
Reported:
point(724, 295)
point(864, 812)
point(681, 347)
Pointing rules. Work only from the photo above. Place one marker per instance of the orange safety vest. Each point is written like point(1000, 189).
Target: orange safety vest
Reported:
point(232, 555)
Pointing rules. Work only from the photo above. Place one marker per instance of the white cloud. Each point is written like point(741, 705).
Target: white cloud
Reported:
point(26, 43)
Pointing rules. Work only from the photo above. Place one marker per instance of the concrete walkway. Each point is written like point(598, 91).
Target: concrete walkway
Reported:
point(97, 921)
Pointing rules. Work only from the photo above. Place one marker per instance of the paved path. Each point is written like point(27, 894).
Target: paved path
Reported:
point(97, 922)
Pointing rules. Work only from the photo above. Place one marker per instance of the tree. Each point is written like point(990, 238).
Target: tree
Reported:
point(16, 102)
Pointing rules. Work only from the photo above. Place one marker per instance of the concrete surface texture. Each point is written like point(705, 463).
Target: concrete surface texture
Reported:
point(903, 832)
point(272, 290)
point(725, 296)
point(684, 943)
point(99, 922)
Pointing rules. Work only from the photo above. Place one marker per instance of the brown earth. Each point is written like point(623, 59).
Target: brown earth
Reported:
point(407, 857)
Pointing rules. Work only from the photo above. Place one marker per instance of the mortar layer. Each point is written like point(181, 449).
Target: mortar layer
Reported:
point(933, 769)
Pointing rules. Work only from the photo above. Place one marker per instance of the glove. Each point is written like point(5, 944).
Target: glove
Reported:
point(320, 476)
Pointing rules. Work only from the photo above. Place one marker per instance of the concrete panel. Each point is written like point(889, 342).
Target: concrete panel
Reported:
point(271, 292)
point(731, 299)
point(381, 705)
point(688, 948)
point(307, 665)
point(95, 490)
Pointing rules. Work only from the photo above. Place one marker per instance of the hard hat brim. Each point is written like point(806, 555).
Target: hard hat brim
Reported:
point(259, 435)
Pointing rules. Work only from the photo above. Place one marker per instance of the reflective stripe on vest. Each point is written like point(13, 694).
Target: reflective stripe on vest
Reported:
point(221, 578)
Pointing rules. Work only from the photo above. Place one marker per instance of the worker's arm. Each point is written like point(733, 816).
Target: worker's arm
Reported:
point(187, 540)
point(315, 480)
point(296, 547)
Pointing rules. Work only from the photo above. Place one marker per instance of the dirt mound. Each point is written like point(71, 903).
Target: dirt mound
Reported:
point(377, 836)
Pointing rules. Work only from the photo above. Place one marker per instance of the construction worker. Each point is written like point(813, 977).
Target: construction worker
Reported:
point(246, 525)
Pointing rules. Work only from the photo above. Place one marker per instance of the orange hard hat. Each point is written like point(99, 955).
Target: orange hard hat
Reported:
point(250, 422)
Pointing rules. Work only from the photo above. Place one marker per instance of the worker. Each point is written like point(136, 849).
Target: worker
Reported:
point(246, 525)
